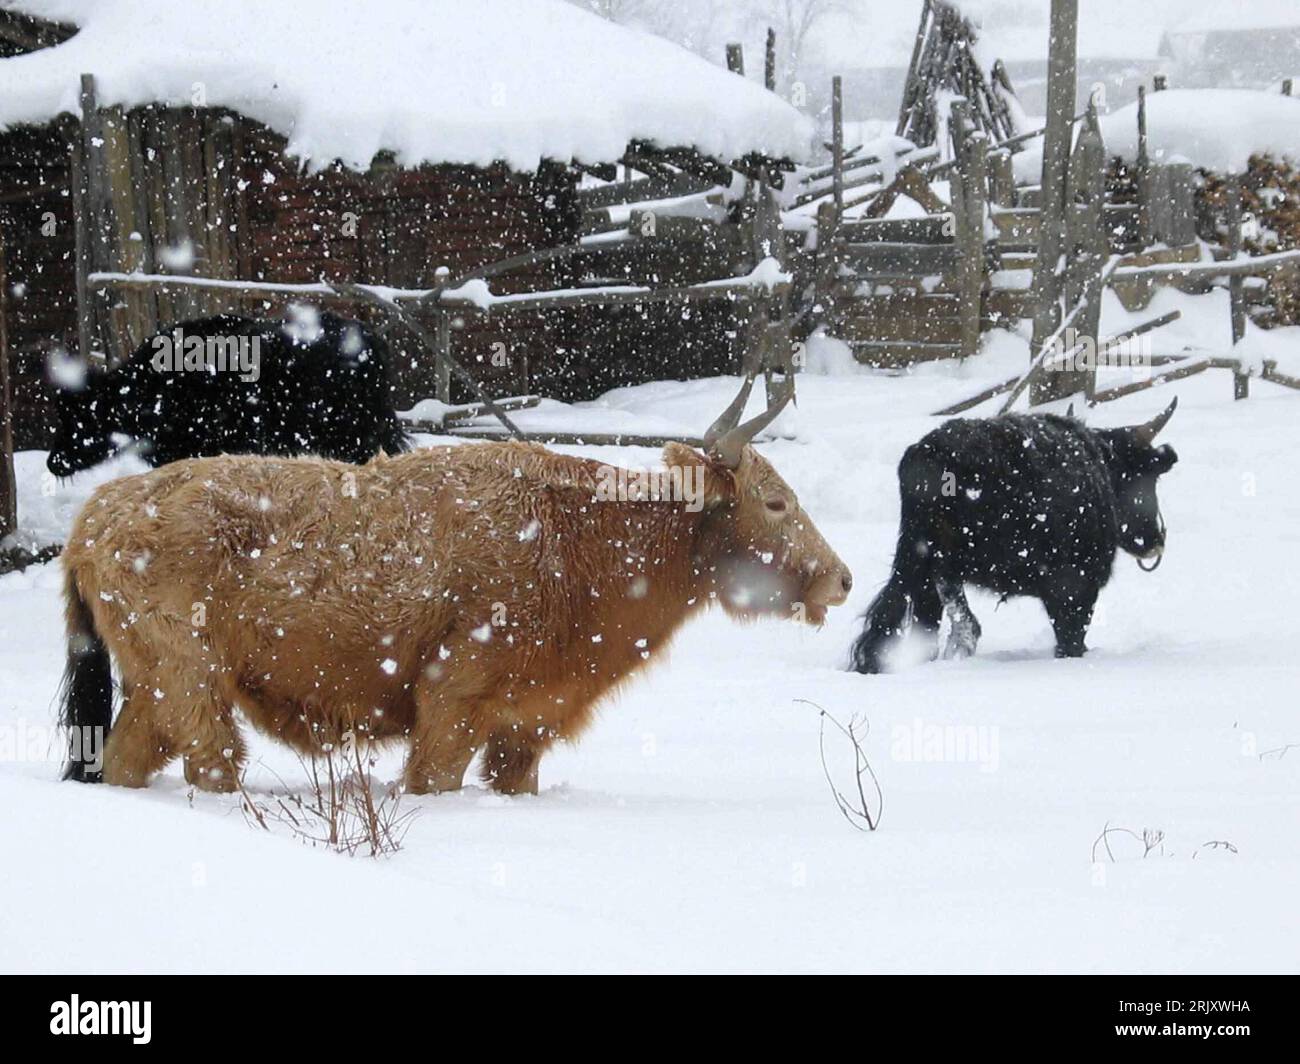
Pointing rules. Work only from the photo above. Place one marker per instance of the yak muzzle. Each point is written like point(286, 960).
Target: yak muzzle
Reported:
point(831, 587)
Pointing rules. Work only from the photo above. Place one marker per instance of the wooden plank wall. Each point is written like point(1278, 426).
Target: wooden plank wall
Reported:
point(400, 227)
point(157, 179)
point(40, 251)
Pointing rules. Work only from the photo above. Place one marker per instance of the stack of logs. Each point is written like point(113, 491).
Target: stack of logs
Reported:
point(1270, 202)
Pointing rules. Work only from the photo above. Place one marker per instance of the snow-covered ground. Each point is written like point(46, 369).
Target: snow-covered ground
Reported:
point(692, 827)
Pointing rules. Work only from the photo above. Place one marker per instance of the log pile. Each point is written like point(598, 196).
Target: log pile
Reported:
point(944, 66)
point(1270, 195)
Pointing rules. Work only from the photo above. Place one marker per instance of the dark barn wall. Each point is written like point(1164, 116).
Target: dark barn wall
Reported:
point(223, 184)
point(40, 265)
point(617, 346)
point(399, 227)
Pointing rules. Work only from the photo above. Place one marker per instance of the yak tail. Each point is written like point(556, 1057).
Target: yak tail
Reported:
point(86, 697)
point(887, 616)
point(394, 439)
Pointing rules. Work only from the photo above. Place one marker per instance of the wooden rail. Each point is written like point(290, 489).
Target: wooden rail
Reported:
point(1244, 266)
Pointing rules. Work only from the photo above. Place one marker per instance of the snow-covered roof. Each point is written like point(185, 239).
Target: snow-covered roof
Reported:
point(1218, 129)
point(439, 81)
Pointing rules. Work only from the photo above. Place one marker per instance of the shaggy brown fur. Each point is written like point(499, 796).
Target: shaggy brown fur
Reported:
point(462, 598)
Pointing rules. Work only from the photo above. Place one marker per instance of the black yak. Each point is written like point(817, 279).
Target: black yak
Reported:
point(1021, 505)
point(236, 385)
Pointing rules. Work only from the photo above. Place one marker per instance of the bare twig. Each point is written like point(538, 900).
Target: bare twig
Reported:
point(1152, 839)
point(858, 813)
point(1216, 844)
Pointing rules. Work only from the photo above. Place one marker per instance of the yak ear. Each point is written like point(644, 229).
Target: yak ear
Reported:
point(678, 454)
point(719, 480)
point(1163, 459)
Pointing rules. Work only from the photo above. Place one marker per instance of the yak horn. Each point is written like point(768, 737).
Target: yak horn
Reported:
point(1147, 432)
point(729, 447)
point(730, 417)
point(1069, 412)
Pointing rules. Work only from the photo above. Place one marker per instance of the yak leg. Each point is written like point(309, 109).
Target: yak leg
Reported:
point(213, 749)
point(136, 747)
point(196, 723)
point(927, 613)
point(511, 760)
point(1071, 613)
point(446, 732)
point(172, 709)
point(966, 631)
point(443, 742)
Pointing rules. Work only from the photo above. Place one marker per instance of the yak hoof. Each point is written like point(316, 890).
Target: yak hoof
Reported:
point(215, 779)
point(961, 643)
point(416, 785)
point(1071, 652)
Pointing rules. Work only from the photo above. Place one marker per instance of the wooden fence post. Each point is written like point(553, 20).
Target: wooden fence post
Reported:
point(972, 178)
point(959, 125)
point(736, 59)
point(1002, 178)
point(8, 485)
point(1143, 174)
point(1236, 283)
point(1087, 245)
point(103, 158)
point(912, 88)
point(1086, 190)
point(85, 218)
point(837, 141)
point(770, 315)
point(1182, 205)
point(132, 319)
point(442, 359)
point(112, 225)
point(1056, 156)
point(769, 61)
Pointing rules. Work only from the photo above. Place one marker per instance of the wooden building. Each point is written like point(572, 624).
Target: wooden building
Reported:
point(205, 170)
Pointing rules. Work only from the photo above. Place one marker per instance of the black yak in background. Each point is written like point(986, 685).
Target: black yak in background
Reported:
point(1021, 505)
point(236, 385)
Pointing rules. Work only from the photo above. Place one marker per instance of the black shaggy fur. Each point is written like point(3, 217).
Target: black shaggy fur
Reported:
point(1021, 505)
point(328, 395)
point(86, 697)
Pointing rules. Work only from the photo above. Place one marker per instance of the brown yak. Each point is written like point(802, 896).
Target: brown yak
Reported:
point(462, 597)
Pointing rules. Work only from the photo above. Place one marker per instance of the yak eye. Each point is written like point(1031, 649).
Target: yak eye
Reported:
point(776, 506)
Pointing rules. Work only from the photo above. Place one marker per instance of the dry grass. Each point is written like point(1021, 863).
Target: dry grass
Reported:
point(343, 808)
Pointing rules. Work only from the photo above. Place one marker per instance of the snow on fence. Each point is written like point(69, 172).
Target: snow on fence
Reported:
point(903, 290)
